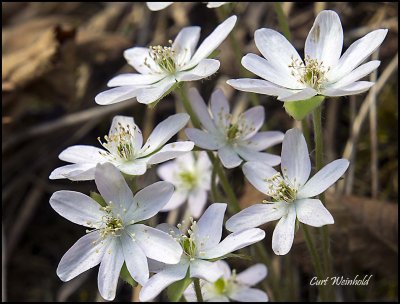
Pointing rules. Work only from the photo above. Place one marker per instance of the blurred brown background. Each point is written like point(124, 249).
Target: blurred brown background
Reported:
point(57, 56)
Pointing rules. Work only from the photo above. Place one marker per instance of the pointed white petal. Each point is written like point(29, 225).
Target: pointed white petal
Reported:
point(205, 270)
point(258, 86)
point(248, 295)
point(356, 54)
point(250, 121)
point(163, 132)
point(136, 167)
point(199, 107)
point(257, 173)
point(197, 200)
point(325, 40)
point(263, 140)
point(312, 212)
point(255, 156)
point(205, 68)
point(86, 253)
point(157, 6)
point(133, 79)
point(358, 73)
point(76, 207)
point(75, 172)
point(128, 124)
point(209, 231)
point(256, 215)
point(203, 139)
point(185, 44)
point(229, 157)
point(296, 165)
point(177, 199)
point(154, 92)
point(109, 270)
point(351, 89)
point(235, 241)
point(169, 171)
point(162, 280)
point(170, 151)
point(224, 266)
point(252, 275)
point(282, 238)
point(299, 95)
point(220, 109)
point(81, 154)
point(324, 178)
point(116, 95)
point(139, 58)
point(212, 41)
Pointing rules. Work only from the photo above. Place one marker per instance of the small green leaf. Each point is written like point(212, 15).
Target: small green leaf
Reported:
point(98, 198)
point(175, 290)
point(126, 276)
point(301, 108)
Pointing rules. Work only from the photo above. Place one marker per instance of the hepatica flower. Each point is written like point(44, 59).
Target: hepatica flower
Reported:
point(161, 67)
point(323, 71)
point(291, 193)
point(235, 139)
point(203, 243)
point(231, 286)
point(158, 6)
point(115, 235)
point(191, 176)
point(124, 148)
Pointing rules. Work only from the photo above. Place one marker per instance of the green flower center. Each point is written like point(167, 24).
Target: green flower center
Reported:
point(311, 74)
point(164, 57)
point(233, 132)
point(279, 190)
point(188, 179)
point(220, 285)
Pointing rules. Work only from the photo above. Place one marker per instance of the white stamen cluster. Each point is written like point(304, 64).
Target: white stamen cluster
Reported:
point(279, 189)
point(163, 56)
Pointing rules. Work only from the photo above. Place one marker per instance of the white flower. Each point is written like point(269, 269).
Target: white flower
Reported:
point(158, 6)
point(160, 68)
point(125, 149)
point(232, 286)
point(115, 238)
point(290, 193)
point(234, 139)
point(323, 72)
point(203, 243)
point(191, 176)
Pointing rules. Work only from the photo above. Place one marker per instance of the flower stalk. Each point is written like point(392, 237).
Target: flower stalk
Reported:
point(197, 289)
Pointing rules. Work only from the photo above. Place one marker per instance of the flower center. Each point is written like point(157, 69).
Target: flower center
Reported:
point(232, 132)
point(188, 179)
point(220, 285)
point(164, 57)
point(311, 74)
point(279, 190)
point(110, 224)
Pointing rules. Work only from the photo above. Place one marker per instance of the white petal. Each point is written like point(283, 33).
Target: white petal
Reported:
point(116, 95)
point(263, 140)
point(252, 275)
point(138, 56)
point(256, 215)
point(276, 49)
point(270, 72)
point(209, 231)
point(229, 157)
point(313, 213)
point(154, 92)
point(135, 259)
point(83, 255)
point(282, 238)
point(224, 266)
point(156, 245)
point(215, 4)
point(212, 41)
point(157, 6)
point(351, 89)
point(185, 44)
point(356, 54)
point(163, 132)
point(299, 95)
point(161, 280)
point(250, 121)
point(325, 40)
point(203, 139)
point(133, 79)
point(205, 270)
point(76, 207)
point(255, 156)
point(113, 187)
point(109, 270)
point(324, 178)
point(75, 172)
point(149, 201)
point(169, 171)
point(136, 167)
point(177, 199)
point(296, 165)
point(249, 295)
point(257, 173)
point(170, 151)
point(258, 86)
point(197, 201)
point(357, 74)
point(220, 109)
point(235, 241)
point(205, 68)
point(201, 110)
point(128, 124)
point(82, 154)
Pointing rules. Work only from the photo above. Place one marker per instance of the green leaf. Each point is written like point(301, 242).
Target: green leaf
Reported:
point(98, 198)
point(301, 108)
point(126, 276)
point(175, 290)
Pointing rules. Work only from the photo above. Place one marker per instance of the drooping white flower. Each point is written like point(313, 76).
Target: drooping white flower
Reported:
point(191, 176)
point(160, 68)
point(203, 244)
point(158, 6)
point(323, 72)
point(291, 193)
point(232, 286)
point(235, 139)
point(115, 237)
point(125, 149)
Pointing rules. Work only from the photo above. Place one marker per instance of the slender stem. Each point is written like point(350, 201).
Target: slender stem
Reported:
point(197, 289)
point(306, 132)
point(282, 20)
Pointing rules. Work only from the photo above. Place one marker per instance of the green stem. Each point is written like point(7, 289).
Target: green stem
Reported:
point(306, 132)
point(282, 20)
point(197, 289)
